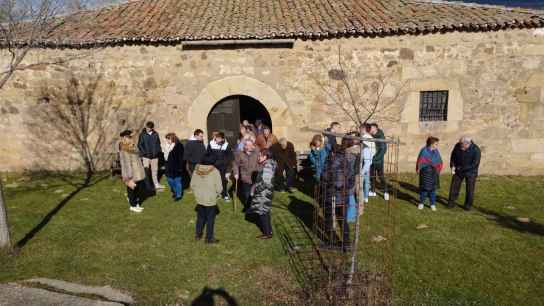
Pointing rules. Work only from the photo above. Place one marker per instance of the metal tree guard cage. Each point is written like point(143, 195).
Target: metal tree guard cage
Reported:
point(352, 243)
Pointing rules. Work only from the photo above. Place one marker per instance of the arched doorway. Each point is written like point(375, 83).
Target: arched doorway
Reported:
point(227, 114)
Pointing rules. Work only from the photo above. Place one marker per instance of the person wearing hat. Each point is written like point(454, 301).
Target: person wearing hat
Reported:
point(132, 171)
point(207, 187)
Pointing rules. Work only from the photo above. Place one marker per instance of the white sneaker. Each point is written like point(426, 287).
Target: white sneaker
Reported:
point(371, 194)
point(159, 186)
point(227, 199)
point(135, 209)
point(420, 206)
point(433, 207)
point(140, 208)
point(386, 196)
point(366, 200)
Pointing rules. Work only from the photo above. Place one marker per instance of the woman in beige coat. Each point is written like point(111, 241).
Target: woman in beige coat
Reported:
point(132, 170)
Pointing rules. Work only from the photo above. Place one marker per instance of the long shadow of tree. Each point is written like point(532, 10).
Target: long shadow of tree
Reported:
point(75, 125)
point(86, 183)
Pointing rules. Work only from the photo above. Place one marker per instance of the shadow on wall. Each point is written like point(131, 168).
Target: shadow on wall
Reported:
point(76, 123)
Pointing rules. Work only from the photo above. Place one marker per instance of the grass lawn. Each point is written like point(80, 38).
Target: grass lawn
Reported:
point(485, 257)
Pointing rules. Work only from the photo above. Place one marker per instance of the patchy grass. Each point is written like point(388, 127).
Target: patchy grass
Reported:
point(485, 257)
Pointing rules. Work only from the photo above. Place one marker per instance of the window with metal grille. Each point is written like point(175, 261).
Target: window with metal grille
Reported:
point(433, 105)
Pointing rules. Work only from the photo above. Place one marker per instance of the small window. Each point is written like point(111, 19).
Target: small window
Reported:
point(433, 105)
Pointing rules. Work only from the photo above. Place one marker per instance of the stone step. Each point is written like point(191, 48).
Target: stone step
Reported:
point(17, 295)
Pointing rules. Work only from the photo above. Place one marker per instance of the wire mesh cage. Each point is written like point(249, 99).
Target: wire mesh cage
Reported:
point(351, 252)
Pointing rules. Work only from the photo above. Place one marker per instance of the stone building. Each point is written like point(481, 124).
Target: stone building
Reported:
point(466, 69)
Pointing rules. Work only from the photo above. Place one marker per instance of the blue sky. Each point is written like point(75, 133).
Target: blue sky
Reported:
point(515, 3)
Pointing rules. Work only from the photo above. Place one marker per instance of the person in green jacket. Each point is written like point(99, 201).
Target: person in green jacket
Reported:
point(206, 185)
point(377, 168)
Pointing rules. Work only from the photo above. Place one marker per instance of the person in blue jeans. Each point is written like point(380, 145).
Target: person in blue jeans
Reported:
point(429, 164)
point(173, 154)
point(367, 162)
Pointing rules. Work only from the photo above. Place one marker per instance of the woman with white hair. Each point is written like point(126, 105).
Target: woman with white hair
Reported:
point(464, 164)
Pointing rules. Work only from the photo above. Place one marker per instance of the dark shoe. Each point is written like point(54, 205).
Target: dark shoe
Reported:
point(261, 236)
point(212, 241)
point(264, 237)
point(467, 208)
point(177, 199)
point(451, 205)
point(198, 238)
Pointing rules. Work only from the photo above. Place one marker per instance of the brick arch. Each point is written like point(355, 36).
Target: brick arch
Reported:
point(240, 85)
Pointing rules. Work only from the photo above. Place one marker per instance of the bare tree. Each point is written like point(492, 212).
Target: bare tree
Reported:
point(361, 95)
point(79, 5)
point(22, 24)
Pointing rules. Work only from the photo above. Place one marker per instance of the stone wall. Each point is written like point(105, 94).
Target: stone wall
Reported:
point(495, 82)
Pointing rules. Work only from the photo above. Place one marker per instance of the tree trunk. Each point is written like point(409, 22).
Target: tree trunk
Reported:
point(5, 241)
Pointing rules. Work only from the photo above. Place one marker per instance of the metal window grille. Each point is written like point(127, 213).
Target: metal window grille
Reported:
point(433, 105)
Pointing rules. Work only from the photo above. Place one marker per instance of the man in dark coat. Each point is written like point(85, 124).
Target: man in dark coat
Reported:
point(194, 150)
point(149, 144)
point(220, 150)
point(286, 157)
point(464, 164)
point(377, 168)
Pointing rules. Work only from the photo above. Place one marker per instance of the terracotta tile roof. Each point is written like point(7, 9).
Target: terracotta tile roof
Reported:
point(182, 20)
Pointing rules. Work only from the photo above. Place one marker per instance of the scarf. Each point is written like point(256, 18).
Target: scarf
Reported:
point(428, 157)
point(167, 149)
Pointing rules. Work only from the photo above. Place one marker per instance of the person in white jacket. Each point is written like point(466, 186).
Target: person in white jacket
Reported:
point(369, 149)
point(367, 162)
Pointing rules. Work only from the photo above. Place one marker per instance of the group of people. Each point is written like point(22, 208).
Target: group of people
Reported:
point(260, 164)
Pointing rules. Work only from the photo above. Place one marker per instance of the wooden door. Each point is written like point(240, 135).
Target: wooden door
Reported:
point(225, 117)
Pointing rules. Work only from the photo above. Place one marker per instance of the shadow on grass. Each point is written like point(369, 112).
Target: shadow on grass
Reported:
point(502, 220)
point(41, 181)
point(206, 298)
point(512, 222)
point(294, 230)
point(305, 183)
point(71, 180)
point(402, 195)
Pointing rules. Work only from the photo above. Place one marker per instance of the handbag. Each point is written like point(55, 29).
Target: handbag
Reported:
point(149, 186)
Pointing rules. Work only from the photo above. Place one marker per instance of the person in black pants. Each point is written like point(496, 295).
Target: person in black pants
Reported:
point(206, 185)
point(464, 164)
point(286, 157)
point(246, 164)
point(377, 167)
point(222, 154)
point(262, 193)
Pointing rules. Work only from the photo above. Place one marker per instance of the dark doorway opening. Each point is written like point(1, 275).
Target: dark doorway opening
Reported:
point(228, 113)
